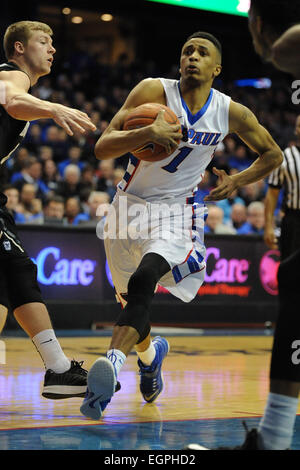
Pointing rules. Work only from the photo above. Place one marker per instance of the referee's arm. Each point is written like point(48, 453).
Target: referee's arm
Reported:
point(271, 200)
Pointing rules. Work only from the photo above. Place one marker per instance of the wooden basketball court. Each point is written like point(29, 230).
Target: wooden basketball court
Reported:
point(210, 381)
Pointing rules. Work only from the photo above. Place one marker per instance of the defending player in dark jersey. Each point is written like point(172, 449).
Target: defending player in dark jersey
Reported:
point(29, 51)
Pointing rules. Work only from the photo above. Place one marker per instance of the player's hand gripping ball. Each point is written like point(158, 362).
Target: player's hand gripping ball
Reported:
point(145, 115)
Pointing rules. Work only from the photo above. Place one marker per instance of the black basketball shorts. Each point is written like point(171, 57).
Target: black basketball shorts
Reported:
point(18, 274)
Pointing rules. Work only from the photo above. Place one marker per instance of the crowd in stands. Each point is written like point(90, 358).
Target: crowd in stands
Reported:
point(55, 178)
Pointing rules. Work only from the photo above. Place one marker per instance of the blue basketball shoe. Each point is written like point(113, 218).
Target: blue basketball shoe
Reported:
point(101, 385)
point(151, 382)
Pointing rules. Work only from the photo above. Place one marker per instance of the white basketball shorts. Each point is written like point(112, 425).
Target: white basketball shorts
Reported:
point(172, 228)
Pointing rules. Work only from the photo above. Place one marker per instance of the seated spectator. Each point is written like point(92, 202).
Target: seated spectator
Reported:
point(45, 89)
point(70, 186)
point(53, 139)
point(88, 178)
point(31, 173)
point(33, 138)
point(73, 211)
point(118, 174)
point(214, 222)
point(15, 164)
point(54, 211)
point(253, 192)
point(30, 205)
point(12, 204)
point(105, 174)
point(226, 205)
point(45, 153)
point(50, 175)
point(238, 215)
point(73, 157)
point(98, 201)
point(255, 219)
point(37, 216)
point(239, 159)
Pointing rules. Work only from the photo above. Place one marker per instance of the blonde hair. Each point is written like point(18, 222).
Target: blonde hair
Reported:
point(21, 31)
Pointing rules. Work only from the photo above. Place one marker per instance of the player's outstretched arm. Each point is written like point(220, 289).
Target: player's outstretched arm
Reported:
point(19, 104)
point(115, 142)
point(243, 123)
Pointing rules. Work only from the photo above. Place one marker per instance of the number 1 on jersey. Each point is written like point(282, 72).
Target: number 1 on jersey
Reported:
point(173, 165)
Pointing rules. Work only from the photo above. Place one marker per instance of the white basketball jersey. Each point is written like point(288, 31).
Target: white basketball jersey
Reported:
point(180, 173)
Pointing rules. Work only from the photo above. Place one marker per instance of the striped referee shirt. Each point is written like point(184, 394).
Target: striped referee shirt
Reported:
point(287, 176)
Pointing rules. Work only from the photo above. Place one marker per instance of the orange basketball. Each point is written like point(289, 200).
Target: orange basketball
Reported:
point(143, 116)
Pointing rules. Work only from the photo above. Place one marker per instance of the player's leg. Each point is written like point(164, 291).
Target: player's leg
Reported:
point(4, 302)
point(63, 378)
point(3, 316)
point(277, 425)
point(131, 327)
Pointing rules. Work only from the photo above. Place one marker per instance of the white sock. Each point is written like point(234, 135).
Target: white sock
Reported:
point(117, 358)
point(147, 356)
point(277, 425)
point(51, 353)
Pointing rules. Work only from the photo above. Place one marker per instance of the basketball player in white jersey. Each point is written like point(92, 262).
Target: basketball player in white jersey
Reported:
point(137, 265)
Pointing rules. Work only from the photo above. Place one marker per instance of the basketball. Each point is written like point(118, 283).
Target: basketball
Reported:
point(143, 116)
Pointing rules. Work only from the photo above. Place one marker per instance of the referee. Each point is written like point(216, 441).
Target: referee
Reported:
point(287, 176)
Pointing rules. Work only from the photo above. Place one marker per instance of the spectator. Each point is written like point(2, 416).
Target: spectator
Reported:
point(227, 204)
point(98, 201)
point(73, 211)
point(214, 222)
point(45, 153)
point(12, 204)
point(253, 192)
point(238, 215)
point(45, 89)
point(88, 178)
point(106, 177)
point(239, 159)
point(31, 173)
point(74, 155)
point(255, 220)
point(53, 139)
point(16, 163)
point(33, 139)
point(30, 204)
point(50, 175)
point(54, 211)
point(70, 186)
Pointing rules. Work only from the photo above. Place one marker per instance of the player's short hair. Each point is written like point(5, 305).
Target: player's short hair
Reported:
point(278, 15)
point(21, 31)
point(210, 37)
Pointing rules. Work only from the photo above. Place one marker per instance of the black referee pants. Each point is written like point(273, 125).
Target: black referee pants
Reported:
point(290, 233)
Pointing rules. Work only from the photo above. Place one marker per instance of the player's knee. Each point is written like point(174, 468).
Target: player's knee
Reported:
point(142, 282)
point(136, 316)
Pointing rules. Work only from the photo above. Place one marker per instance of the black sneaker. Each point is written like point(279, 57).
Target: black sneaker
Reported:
point(71, 383)
point(250, 442)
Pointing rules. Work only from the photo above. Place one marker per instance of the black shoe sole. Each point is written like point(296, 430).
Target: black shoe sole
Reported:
point(60, 396)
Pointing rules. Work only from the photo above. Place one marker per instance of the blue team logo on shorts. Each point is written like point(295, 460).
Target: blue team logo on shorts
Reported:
point(7, 245)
